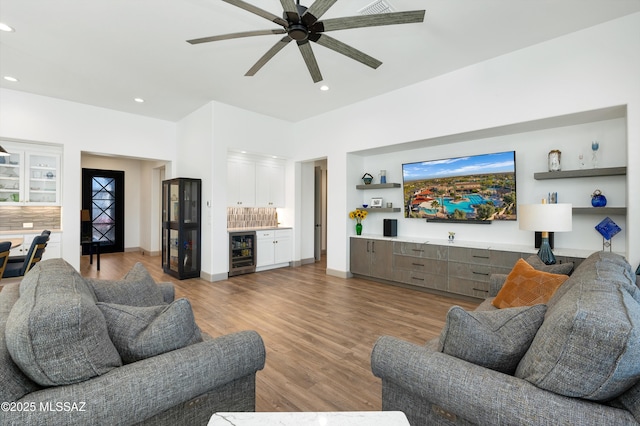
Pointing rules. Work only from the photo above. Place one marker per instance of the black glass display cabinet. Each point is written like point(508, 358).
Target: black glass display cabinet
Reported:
point(181, 227)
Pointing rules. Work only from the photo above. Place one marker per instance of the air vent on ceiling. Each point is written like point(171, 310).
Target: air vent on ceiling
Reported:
point(378, 6)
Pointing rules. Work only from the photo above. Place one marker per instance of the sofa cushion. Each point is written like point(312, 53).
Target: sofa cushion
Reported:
point(493, 339)
point(143, 332)
point(55, 332)
point(137, 288)
point(558, 268)
point(15, 384)
point(589, 344)
point(526, 286)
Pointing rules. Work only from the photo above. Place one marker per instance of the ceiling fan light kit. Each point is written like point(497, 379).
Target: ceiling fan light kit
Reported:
point(302, 24)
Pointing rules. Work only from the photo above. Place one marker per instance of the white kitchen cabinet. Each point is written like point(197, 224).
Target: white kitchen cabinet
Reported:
point(270, 185)
point(254, 181)
point(274, 248)
point(30, 176)
point(241, 183)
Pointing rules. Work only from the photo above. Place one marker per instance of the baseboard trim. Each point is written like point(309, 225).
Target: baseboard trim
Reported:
point(339, 274)
point(150, 253)
point(214, 277)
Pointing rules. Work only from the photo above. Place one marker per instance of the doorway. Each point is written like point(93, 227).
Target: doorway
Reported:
point(103, 197)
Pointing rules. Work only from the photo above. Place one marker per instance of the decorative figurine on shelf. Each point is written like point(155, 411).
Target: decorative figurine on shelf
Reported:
point(597, 199)
point(595, 145)
point(359, 216)
point(452, 236)
point(367, 179)
point(554, 160)
point(608, 229)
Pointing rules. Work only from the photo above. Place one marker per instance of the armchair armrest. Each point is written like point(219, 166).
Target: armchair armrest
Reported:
point(138, 391)
point(467, 393)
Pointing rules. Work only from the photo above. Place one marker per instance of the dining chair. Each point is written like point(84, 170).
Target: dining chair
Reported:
point(34, 255)
point(4, 255)
point(21, 258)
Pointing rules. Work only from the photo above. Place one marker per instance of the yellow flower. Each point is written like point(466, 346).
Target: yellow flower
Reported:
point(358, 215)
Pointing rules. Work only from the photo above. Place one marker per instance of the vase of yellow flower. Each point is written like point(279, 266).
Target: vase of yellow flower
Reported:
point(359, 216)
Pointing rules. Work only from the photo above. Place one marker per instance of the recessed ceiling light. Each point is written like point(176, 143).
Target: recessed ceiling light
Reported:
point(11, 79)
point(5, 27)
point(139, 100)
point(324, 87)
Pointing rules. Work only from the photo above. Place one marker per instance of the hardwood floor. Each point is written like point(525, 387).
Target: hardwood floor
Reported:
point(318, 330)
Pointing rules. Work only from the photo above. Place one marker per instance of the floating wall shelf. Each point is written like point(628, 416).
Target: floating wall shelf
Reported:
point(378, 186)
point(600, 210)
point(381, 209)
point(564, 174)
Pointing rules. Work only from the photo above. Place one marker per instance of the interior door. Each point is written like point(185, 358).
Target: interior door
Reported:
point(103, 196)
point(317, 213)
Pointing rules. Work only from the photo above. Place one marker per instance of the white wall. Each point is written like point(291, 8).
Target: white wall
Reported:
point(587, 70)
point(79, 128)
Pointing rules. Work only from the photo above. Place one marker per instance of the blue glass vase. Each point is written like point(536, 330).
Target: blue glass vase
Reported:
point(597, 199)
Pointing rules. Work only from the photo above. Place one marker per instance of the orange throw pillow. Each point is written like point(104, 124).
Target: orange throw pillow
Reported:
point(526, 286)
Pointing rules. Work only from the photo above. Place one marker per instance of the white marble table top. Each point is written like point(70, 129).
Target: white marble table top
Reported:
point(335, 418)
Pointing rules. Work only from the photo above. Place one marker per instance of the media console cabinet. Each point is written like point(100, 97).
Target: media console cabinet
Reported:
point(460, 268)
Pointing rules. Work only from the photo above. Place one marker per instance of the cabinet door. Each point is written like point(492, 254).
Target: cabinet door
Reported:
point(42, 180)
point(241, 183)
point(381, 265)
point(360, 256)
point(283, 248)
point(11, 178)
point(270, 185)
point(265, 251)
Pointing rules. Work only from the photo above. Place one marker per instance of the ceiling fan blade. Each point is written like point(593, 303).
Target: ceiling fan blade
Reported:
point(376, 20)
point(291, 10)
point(310, 60)
point(267, 56)
point(345, 49)
point(236, 35)
point(316, 10)
point(257, 11)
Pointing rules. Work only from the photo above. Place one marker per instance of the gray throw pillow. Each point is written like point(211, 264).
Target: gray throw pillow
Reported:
point(589, 344)
point(559, 268)
point(55, 332)
point(492, 339)
point(143, 332)
point(137, 288)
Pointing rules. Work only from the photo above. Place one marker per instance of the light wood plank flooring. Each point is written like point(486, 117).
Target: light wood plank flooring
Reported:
point(318, 330)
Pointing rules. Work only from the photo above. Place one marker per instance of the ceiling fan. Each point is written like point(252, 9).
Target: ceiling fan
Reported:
point(302, 24)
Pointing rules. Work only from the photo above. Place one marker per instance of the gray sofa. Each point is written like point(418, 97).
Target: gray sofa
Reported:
point(580, 367)
point(65, 357)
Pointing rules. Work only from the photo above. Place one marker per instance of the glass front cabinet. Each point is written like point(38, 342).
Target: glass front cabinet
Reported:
point(181, 227)
point(30, 177)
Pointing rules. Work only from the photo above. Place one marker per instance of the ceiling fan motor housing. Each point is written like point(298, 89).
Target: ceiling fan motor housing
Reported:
point(297, 30)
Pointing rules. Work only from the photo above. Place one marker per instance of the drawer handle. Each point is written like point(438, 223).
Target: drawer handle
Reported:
point(480, 257)
point(418, 250)
point(481, 289)
point(416, 278)
point(481, 273)
point(417, 264)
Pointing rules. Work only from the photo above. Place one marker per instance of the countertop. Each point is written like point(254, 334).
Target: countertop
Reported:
point(27, 231)
point(258, 228)
point(477, 244)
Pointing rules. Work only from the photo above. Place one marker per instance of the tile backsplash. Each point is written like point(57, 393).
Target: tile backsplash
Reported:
point(251, 217)
point(12, 217)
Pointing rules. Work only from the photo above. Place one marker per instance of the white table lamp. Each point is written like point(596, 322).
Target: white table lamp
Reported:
point(545, 218)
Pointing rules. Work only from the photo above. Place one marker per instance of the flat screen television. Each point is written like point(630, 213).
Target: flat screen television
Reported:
point(474, 189)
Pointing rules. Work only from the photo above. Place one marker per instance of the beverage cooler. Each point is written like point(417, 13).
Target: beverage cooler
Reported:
point(242, 252)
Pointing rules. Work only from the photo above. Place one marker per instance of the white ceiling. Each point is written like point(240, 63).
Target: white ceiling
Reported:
point(107, 52)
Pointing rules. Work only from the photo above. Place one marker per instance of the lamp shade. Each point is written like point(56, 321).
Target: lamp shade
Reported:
point(545, 217)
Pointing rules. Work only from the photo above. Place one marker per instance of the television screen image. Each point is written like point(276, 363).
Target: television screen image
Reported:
point(477, 188)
